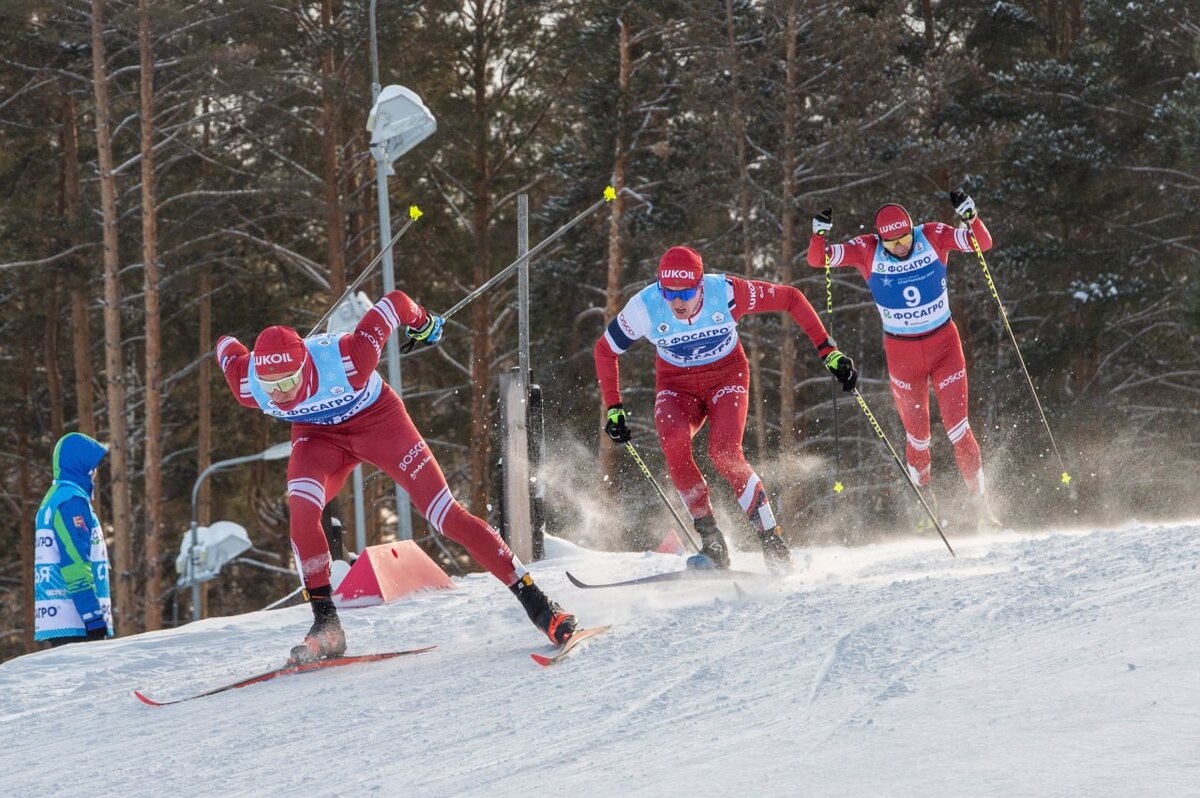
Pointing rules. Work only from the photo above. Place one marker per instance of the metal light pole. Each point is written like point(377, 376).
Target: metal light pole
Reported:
point(523, 290)
point(277, 452)
point(344, 318)
point(398, 122)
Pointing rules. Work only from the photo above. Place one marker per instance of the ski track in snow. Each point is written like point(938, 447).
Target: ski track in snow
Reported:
point(1058, 663)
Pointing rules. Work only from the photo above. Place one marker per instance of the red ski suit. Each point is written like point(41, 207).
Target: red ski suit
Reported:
point(716, 391)
point(382, 434)
point(915, 361)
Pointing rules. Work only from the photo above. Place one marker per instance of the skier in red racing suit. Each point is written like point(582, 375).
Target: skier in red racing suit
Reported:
point(905, 268)
point(701, 374)
point(342, 413)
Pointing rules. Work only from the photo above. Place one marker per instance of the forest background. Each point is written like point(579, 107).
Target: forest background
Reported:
point(174, 170)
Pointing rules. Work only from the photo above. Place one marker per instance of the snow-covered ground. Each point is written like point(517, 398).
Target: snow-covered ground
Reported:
point(1055, 664)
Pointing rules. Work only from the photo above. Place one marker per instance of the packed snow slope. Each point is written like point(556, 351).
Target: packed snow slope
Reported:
point(1050, 664)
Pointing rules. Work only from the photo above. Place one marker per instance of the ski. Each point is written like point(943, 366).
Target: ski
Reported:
point(285, 670)
point(685, 575)
point(567, 647)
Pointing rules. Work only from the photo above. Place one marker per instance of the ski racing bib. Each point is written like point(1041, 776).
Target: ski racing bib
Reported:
point(910, 294)
point(335, 400)
point(709, 336)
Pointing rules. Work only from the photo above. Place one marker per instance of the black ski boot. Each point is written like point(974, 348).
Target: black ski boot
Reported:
point(555, 622)
point(776, 553)
point(714, 552)
point(325, 639)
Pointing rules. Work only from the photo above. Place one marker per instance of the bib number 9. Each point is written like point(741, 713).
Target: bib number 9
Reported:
point(912, 296)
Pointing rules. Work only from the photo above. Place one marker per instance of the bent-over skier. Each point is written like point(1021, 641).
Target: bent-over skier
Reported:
point(701, 373)
point(342, 413)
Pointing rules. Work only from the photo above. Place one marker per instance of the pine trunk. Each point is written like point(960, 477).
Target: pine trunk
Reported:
point(85, 401)
point(123, 608)
point(204, 377)
point(26, 518)
point(204, 396)
point(80, 326)
point(786, 253)
point(481, 312)
point(50, 351)
point(330, 111)
point(787, 346)
point(152, 462)
point(744, 203)
point(616, 211)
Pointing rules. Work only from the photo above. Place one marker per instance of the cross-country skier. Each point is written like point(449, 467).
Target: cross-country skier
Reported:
point(342, 413)
point(701, 373)
point(905, 268)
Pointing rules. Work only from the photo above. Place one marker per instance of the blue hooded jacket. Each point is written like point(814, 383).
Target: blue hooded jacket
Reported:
point(71, 586)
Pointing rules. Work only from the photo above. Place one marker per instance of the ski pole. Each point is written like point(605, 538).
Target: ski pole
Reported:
point(609, 196)
point(900, 464)
point(838, 487)
point(414, 213)
point(687, 533)
point(1066, 478)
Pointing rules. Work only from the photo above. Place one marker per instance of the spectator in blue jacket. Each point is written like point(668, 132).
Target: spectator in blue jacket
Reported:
point(71, 588)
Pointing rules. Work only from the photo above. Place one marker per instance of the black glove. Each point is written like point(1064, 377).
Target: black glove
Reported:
point(98, 632)
point(964, 206)
point(616, 428)
point(823, 222)
point(842, 367)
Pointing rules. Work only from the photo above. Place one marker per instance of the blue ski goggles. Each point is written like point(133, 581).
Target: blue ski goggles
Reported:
point(685, 294)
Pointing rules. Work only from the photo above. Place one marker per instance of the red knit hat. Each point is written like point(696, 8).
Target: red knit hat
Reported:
point(892, 221)
point(680, 267)
point(278, 350)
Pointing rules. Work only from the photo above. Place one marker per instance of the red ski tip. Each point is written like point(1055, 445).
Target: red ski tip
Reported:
point(578, 637)
point(144, 700)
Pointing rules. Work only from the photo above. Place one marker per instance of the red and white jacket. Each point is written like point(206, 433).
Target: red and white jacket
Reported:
point(724, 301)
point(360, 349)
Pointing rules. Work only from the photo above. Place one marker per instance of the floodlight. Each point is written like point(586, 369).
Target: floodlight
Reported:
point(398, 122)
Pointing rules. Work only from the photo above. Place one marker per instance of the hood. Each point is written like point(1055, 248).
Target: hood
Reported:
point(75, 457)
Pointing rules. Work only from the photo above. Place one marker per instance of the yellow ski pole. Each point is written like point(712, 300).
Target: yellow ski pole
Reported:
point(687, 533)
point(414, 213)
point(1066, 477)
point(609, 196)
point(838, 487)
point(900, 464)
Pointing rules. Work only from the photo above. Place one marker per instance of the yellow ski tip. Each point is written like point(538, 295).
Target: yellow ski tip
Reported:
point(610, 194)
point(414, 212)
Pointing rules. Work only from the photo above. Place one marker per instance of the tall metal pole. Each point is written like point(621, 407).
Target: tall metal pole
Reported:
point(523, 290)
point(360, 513)
point(193, 530)
point(382, 167)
